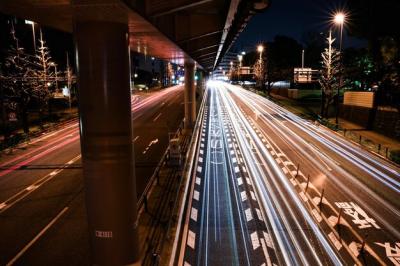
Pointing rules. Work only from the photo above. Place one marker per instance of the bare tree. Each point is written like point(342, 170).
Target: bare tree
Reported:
point(16, 92)
point(329, 78)
point(259, 72)
point(41, 76)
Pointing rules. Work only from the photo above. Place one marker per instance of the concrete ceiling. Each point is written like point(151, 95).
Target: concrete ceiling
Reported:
point(173, 30)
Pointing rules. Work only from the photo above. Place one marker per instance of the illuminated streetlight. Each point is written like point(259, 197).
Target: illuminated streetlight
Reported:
point(260, 49)
point(339, 19)
point(243, 52)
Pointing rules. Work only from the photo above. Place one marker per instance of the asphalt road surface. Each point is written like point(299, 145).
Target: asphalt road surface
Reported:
point(42, 208)
point(272, 188)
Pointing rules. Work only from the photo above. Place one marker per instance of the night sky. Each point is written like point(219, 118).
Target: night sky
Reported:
point(293, 18)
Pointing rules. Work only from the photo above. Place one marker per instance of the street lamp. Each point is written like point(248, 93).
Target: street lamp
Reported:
point(339, 19)
point(56, 77)
point(260, 49)
point(29, 22)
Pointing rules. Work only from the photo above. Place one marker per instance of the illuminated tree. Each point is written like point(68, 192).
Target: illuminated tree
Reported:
point(329, 78)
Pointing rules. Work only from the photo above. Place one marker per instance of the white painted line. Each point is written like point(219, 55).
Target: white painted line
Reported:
point(249, 216)
point(232, 152)
point(280, 154)
point(273, 153)
point(229, 139)
point(202, 145)
point(268, 240)
point(193, 214)
point(248, 181)
point(154, 120)
point(259, 214)
point(53, 173)
point(191, 239)
point(234, 160)
point(334, 240)
point(240, 181)
point(200, 159)
point(196, 195)
point(202, 139)
point(2, 205)
point(230, 145)
point(201, 151)
point(186, 264)
point(354, 248)
point(199, 169)
point(31, 187)
point(42, 232)
point(198, 180)
point(278, 160)
point(244, 169)
point(243, 195)
point(254, 240)
point(303, 196)
point(268, 146)
point(236, 169)
point(263, 140)
point(285, 171)
point(287, 163)
point(293, 181)
point(253, 196)
point(316, 215)
point(293, 173)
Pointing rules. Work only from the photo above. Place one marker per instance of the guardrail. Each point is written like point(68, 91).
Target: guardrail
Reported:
point(187, 177)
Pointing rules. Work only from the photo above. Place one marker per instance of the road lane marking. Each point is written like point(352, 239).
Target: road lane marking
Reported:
point(249, 216)
point(199, 168)
point(254, 240)
point(253, 196)
point(193, 214)
point(27, 191)
point(136, 138)
point(237, 169)
point(198, 180)
point(316, 215)
point(196, 195)
point(191, 239)
point(334, 240)
point(42, 232)
point(259, 215)
point(240, 181)
point(200, 159)
point(243, 195)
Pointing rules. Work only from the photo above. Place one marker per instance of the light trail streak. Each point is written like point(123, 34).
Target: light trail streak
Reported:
point(294, 140)
point(278, 174)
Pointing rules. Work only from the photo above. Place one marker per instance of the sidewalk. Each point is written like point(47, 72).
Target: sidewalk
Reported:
point(369, 139)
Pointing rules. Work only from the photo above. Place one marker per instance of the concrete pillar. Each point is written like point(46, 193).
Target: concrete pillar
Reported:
point(189, 96)
point(106, 141)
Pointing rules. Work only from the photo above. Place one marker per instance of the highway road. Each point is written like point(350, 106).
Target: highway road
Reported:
point(316, 198)
point(42, 209)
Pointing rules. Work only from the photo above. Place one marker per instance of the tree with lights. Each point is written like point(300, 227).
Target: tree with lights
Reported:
point(40, 76)
point(330, 72)
point(15, 89)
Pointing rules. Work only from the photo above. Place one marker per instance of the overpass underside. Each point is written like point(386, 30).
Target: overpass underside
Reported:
point(191, 33)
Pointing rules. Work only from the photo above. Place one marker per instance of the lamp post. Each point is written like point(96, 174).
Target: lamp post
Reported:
point(33, 32)
point(240, 58)
point(339, 20)
point(55, 71)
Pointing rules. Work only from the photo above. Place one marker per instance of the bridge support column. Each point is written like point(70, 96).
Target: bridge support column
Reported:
point(190, 96)
point(106, 141)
